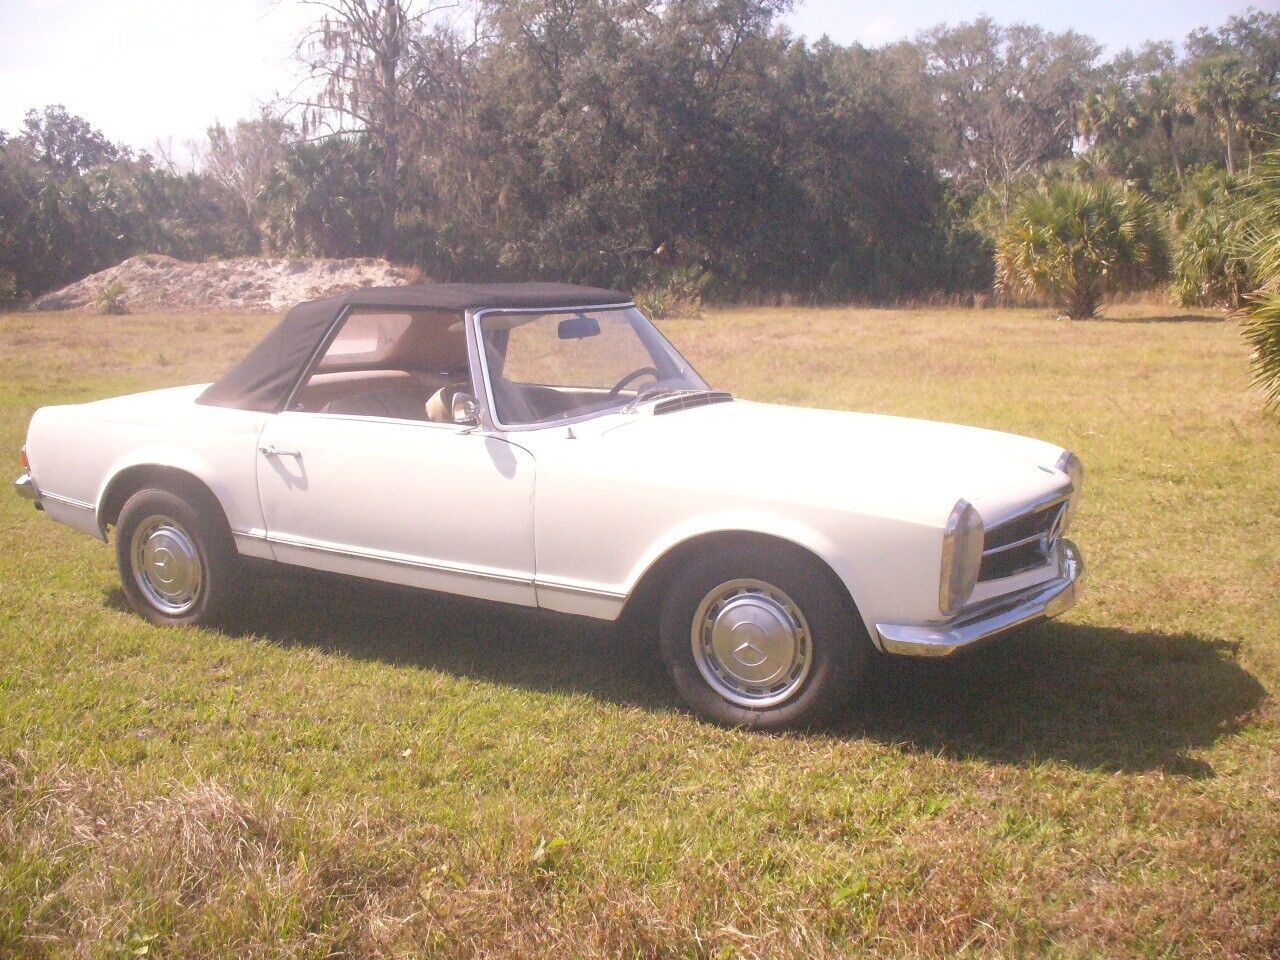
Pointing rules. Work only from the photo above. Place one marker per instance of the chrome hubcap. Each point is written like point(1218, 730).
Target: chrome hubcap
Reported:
point(751, 643)
point(166, 565)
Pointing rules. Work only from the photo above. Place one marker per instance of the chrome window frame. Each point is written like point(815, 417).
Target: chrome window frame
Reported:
point(480, 360)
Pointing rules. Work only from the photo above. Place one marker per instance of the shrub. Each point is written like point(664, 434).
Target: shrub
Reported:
point(8, 287)
point(111, 300)
point(1210, 262)
point(675, 294)
point(1210, 267)
point(1075, 243)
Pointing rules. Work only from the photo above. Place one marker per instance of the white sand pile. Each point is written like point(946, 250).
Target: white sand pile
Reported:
point(154, 282)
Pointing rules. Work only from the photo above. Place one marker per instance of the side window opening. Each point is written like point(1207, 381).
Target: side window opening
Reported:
point(366, 338)
point(391, 366)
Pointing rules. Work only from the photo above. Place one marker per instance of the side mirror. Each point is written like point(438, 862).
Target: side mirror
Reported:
point(466, 412)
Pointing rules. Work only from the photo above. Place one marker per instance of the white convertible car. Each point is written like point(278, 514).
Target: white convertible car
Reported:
point(545, 445)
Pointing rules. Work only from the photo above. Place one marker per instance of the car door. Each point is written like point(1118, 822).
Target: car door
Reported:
point(429, 505)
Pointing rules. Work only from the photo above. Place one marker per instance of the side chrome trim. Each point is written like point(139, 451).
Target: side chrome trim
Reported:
point(398, 560)
point(565, 587)
point(995, 617)
point(435, 567)
point(26, 488)
point(252, 543)
point(76, 514)
point(69, 501)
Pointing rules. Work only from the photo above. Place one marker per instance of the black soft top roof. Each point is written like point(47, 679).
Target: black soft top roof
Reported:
point(267, 374)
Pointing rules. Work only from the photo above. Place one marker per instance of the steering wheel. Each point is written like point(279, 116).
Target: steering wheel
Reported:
point(634, 375)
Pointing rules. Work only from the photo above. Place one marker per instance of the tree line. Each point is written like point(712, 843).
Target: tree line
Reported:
point(687, 148)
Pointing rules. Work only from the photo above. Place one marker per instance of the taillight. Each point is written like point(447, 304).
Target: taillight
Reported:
point(26, 464)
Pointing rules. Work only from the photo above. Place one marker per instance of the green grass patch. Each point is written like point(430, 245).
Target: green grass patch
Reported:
point(363, 771)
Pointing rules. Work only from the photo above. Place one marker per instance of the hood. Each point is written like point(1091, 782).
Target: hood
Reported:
point(895, 464)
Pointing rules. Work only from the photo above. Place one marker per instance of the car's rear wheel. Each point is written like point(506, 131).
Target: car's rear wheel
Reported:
point(178, 563)
point(761, 639)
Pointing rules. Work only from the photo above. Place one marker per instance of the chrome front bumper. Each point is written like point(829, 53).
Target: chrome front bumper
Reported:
point(25, 487)
point(973, 626)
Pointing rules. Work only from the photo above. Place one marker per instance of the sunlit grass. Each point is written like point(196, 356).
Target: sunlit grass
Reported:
point(362, 771)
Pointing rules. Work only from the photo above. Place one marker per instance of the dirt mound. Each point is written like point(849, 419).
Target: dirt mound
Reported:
point(154, 282)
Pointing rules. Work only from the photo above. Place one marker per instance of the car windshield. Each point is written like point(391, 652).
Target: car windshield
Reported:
point(559, 365)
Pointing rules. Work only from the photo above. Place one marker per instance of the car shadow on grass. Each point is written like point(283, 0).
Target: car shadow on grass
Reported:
point(1094, 697)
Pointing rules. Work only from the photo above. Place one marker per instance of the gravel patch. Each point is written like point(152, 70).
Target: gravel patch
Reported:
point(152, 282)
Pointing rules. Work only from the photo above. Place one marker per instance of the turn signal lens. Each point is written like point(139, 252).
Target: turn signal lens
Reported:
point(961, 557)
point(26, 464)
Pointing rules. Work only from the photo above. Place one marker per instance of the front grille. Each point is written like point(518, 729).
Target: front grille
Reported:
point(1022, 543)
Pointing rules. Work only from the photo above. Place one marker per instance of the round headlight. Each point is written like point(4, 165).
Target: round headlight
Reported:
point(961, 557)
point(1070, 464)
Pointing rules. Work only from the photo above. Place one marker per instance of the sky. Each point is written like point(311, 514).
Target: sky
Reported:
point(1115, 24)
point(144, 71)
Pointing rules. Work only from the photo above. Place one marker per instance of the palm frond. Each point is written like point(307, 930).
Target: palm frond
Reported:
point(1260, 314)
point(1261, 321)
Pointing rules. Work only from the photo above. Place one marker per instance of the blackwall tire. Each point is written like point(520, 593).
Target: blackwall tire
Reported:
point(762, 639)
point(178, 563)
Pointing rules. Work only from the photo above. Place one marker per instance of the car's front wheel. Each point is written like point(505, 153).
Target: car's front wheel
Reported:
point(178, 563)
point(761, 639)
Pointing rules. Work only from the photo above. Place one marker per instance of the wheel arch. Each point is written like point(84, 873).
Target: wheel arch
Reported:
point(128, 480)
point(644, 597)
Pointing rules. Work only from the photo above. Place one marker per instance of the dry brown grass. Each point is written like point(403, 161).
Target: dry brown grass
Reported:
point(195, 871)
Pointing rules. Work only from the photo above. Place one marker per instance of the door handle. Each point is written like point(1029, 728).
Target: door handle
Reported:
point(271, 450)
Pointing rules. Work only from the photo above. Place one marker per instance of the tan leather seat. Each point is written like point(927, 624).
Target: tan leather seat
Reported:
point(397, 403)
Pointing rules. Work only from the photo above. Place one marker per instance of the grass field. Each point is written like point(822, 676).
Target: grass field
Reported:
point(362, 772)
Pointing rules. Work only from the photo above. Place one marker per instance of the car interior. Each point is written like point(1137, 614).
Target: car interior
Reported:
point(395, 364)
point(409, 365)
point(549, 366)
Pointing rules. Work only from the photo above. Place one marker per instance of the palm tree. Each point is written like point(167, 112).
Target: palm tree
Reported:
point(1160, 104)
point(1074, 243)
point(1110, 115)
point(1224, 92)
point(320, 199)
point(1108, 118)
